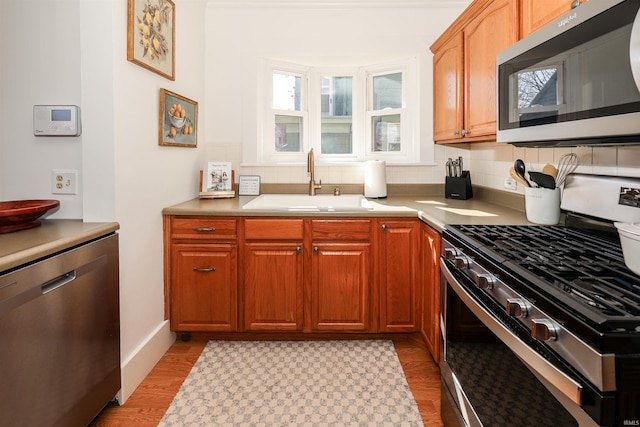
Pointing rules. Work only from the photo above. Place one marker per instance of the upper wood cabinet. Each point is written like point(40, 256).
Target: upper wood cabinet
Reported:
point(465, 71)
point(537, 13)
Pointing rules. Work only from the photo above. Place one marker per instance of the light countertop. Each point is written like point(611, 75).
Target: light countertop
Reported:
point(437, 211)
point(54, 235)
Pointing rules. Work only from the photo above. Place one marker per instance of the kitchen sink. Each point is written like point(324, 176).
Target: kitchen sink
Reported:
point(306, 203)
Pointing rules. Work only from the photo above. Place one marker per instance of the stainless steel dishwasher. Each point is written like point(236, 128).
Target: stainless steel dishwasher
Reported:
point(60, 337)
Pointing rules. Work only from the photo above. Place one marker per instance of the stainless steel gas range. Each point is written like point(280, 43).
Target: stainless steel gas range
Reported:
point(541, 324)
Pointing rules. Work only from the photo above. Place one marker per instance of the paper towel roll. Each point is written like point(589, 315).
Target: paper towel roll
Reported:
point(375, 179)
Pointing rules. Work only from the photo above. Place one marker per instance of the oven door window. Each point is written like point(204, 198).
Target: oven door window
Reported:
point(500, 388)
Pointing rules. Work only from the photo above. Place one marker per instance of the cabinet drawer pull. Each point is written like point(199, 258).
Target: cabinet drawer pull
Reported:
point(204, 270)
point(298, 249)
point(204, 229)
point(316, 249)
point(384, 227)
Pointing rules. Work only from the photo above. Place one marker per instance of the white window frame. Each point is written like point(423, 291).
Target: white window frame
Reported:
point(361, 118)
point(315, 120)
point(266, 148)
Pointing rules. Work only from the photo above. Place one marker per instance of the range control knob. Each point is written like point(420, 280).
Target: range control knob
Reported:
point(543, 330)
point(485, 281)
point(517, 307)
point(462, 262)
point(450, 253)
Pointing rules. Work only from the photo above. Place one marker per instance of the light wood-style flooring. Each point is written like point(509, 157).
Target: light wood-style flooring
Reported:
point(149, 402)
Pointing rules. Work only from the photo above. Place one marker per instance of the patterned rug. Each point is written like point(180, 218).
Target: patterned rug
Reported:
point(295, 383)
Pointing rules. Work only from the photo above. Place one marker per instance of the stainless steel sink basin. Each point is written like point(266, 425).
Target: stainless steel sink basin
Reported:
point(306, 203)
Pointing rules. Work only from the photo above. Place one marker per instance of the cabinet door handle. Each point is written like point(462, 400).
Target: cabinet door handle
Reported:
point(456, 133)
point(384, 227)
point(316, 249)
point(204, 270)
point(203, 229)
point(465, 132)
point(298, 249)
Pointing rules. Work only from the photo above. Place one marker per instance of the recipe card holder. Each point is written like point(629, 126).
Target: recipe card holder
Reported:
point(458, 187)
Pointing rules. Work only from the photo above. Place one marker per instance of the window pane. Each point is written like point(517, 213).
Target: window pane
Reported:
point(387, 91)
point(288, 134)
point(286, 92)
point(336, 109)
point(386, 133)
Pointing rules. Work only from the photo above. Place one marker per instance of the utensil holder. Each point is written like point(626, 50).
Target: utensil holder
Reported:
point(542, 205)
point(458, 187)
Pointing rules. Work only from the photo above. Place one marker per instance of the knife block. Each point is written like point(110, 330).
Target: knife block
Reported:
point(458, 187)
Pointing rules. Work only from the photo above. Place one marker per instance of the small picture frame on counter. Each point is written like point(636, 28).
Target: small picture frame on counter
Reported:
point(249, 185)
point(218, 181)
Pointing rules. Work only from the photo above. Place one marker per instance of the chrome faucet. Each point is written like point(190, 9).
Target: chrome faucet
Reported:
point(311, 170)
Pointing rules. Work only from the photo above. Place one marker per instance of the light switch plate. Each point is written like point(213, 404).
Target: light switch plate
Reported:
point(64, 182)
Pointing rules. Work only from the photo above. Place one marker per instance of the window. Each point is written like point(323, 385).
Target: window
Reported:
point(346, 115)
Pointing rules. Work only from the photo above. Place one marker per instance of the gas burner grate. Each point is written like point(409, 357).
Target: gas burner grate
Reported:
point(585, 268)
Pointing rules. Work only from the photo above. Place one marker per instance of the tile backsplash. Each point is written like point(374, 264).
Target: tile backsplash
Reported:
point(489, 164)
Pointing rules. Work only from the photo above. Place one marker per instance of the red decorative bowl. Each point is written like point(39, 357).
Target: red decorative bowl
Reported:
point(19, 215)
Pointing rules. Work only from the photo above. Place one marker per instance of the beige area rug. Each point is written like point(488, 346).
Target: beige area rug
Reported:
point(295, 383)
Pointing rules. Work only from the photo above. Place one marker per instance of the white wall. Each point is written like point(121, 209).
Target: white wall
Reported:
point(78, 56)
point(38, 67)
point(244, 32)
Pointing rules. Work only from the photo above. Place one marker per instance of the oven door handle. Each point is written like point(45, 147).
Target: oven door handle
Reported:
point(544, 370)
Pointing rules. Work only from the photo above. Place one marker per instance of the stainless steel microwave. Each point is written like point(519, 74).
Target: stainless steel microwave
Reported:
point(575, 81)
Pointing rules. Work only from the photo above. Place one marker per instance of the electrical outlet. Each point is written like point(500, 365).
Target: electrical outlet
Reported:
point(509, 183)
point(65, 182)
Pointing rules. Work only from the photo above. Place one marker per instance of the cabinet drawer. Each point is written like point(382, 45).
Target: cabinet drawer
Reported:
point(273, 228)
point(203, 228)
point(343, 229)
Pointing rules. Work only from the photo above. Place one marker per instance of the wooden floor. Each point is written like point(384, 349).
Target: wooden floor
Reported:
point(148, 403)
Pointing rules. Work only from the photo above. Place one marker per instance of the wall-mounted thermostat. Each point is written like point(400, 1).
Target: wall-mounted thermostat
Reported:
point(56, 120)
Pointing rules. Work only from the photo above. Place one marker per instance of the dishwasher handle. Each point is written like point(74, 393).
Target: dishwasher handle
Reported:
point(59, 281)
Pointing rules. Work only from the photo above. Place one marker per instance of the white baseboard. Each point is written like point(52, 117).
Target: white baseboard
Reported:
point(142, 360)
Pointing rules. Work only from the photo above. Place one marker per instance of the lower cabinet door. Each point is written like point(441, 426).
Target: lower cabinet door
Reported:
point(204, 288)
point(340, 287)
point(273, 284)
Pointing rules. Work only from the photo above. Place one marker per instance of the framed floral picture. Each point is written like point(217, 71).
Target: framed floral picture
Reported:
point(151, 35)
point(178, 120)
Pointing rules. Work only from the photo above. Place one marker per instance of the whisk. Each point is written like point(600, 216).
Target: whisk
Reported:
point(566, 165)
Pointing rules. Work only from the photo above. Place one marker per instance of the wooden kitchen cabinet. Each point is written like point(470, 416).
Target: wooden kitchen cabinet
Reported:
point(447, 90)
point(204, 287)
point(341, 275)
point(537, 13)
point(272, 274)
point(465, 71)
point(201, 265)
point(431, 290)
point(398, 275)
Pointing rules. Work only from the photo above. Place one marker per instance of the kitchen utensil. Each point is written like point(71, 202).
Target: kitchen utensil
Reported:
point(566, 165)
point(520, 169)
point(550, 170)
point(518, 178)
point(630, 242)
point(542, 205)
point(543, 180)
